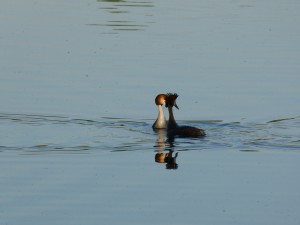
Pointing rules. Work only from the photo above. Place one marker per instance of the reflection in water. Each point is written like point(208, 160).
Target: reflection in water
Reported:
point(38, 133)
point(165, 150)
point(126, 13)
point(160, 141)
point(168, 158)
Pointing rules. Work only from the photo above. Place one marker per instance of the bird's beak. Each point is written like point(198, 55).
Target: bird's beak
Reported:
point(176, 105)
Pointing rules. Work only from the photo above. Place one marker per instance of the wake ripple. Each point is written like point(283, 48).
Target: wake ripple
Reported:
point(35, 134)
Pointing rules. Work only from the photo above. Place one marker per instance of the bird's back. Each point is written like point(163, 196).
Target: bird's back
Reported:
point(186, 131)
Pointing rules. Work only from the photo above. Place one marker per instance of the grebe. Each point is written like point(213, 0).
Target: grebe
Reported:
point(160, 122)
point(173, 128)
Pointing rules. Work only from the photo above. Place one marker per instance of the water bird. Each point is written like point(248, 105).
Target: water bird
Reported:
point(161, 122)
point(173, 129)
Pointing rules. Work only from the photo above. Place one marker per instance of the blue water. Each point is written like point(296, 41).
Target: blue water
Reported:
point(77, 86)
point(23, 133)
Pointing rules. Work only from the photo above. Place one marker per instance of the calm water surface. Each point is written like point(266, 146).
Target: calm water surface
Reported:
point(77, 87)
point(59, 169)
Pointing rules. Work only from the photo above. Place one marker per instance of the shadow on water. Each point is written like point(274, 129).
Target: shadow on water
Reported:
point(127, 15)
point(38, 134)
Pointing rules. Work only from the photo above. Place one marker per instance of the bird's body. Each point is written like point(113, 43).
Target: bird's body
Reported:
point(186, 131)
point(173, 128)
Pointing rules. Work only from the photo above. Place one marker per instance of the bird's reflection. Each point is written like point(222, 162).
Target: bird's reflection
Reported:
point(165, 150)
point(168, 158)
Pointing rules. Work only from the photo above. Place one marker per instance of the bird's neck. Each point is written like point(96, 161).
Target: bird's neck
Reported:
point(161, 120)
point(172, 123)
point(161, 115)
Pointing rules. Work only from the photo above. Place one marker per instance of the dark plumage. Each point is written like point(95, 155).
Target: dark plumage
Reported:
point(173, 128)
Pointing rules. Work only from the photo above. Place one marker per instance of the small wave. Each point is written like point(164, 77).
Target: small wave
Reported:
point(282, 119)
point(38, 133)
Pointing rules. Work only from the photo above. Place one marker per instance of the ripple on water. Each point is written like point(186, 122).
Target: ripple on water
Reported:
point(31, 133)
point(126, 15)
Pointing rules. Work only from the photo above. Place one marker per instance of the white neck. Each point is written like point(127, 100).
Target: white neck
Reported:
point(161, 120)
